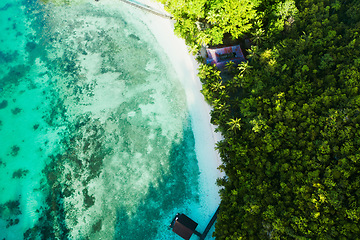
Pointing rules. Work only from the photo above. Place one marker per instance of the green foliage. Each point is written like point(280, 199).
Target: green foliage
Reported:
point(204, 22)
point(290, 118)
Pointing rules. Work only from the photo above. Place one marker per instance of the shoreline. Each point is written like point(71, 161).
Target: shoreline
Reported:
point(206, 138)
point(120, 177)
point(175, 51)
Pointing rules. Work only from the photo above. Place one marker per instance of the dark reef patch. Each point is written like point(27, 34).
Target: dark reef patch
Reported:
point(51, 177)
point(3, 104)
point(52, 222)
point(20, 173)
point(6, 57)
point(88, 200)
point(15, 150)
point(36, 126)
point(15, 74)
point(2, 164)
point(68, 191)
point(68, 65)
point(57, 111)
point(133, 36)
point(4, 8)
point(16, 111)
point(84, 131)
point(92, 146)
point(97, 226)
point(30, 46)
point(86, 146)
point(68, 176)
point(11, 207)
point(12, 222)
point(169, 191)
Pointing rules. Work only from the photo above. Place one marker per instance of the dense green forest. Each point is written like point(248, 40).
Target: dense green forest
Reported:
point(290, 116)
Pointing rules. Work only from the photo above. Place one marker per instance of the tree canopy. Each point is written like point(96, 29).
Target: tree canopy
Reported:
point(202, 22)
point(290, 116)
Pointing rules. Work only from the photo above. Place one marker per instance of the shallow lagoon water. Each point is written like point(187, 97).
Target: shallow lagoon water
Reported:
point(96, 137)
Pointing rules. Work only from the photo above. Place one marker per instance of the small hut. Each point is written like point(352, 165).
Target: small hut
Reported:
point(221, 56)
point(183, 226)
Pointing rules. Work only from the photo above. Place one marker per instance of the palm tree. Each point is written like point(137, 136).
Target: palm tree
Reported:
point(217, 86)
point(212, 17)
point(230, 66)
point(258, 36)
point(234, 124)
point(306, 38)
point(253, 53)
point(336, 5)
point(243, 67)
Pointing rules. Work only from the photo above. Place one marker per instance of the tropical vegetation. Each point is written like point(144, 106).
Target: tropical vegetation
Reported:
point(290, 115)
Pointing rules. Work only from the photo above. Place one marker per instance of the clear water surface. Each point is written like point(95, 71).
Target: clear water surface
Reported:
point(95, 136)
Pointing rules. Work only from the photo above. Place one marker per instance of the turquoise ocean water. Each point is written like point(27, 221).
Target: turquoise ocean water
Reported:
point(95, 136)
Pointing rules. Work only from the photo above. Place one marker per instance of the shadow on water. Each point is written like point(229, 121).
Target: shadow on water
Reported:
point(175, 188)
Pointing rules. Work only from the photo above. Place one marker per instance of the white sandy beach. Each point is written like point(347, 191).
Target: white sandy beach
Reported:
point(185, 68)
point(121, 72)
point(205, 136)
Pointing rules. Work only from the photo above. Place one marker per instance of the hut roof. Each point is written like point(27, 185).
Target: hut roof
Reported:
point(184, 226)
point(221, 56)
